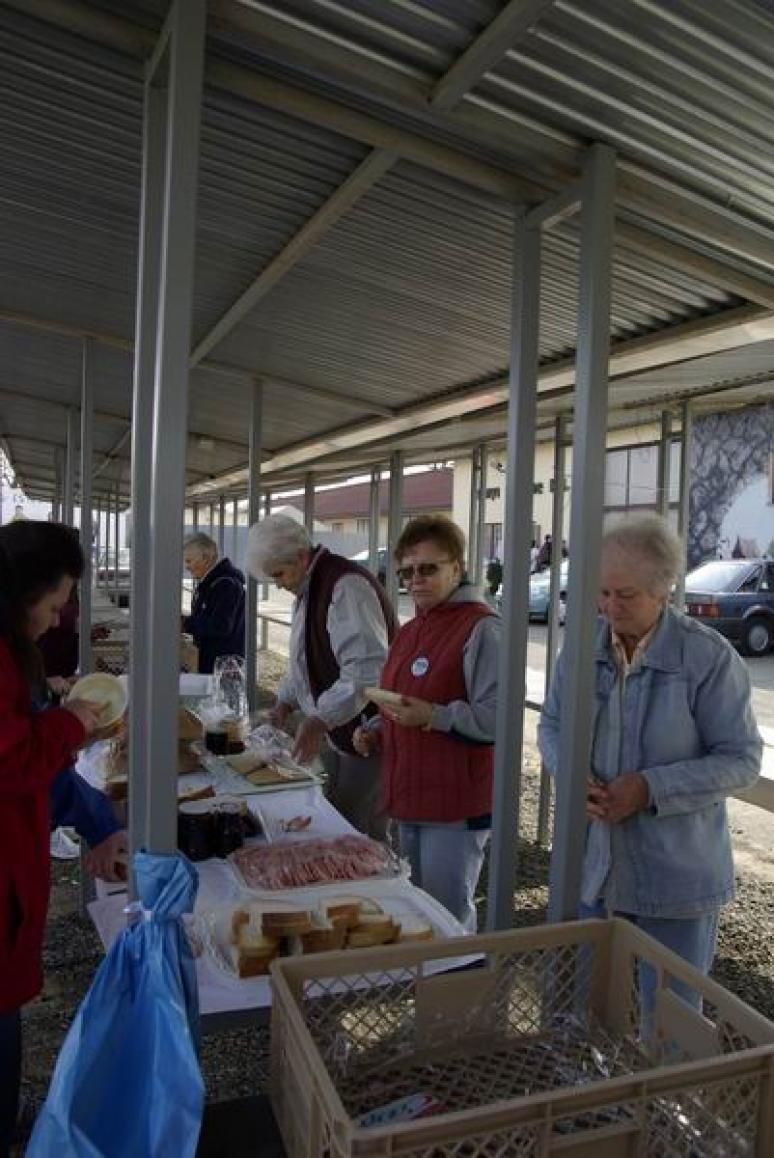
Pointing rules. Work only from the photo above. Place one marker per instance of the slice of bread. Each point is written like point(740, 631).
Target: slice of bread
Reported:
point(378, 931)
point(251, 964)
point(415, 929)
point(324, 939)
point(287, 924)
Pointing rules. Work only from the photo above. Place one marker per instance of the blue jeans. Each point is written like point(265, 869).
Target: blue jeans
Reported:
point(10, 1077)
point(692, 938)
point(446, 862)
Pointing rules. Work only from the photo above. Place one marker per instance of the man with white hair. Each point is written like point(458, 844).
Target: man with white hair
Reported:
point(217, 619)
point(341, 629)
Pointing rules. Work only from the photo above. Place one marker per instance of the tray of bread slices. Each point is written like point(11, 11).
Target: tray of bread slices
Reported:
point(244, 937)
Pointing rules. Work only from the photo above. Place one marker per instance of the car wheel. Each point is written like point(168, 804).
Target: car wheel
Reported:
point(757, 636)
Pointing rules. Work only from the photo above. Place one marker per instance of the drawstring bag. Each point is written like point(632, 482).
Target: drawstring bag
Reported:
point(127, 1081)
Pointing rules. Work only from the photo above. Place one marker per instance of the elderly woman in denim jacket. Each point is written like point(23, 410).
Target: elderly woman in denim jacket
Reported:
point(674, 736)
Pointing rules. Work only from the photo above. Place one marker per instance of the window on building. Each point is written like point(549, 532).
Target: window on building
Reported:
point(363, 526)
point(337, 527)
point(631, 477)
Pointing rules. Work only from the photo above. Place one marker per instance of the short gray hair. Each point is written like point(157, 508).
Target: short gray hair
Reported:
point(201, 543)
point(275, 540)
point(651, 546)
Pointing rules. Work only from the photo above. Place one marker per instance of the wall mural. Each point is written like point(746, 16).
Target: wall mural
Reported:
point(732, 478)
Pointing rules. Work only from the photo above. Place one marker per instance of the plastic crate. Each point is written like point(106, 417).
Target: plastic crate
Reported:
point(538, 1048)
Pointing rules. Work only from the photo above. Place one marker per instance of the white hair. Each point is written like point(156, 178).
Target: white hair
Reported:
point(652, 549)
point(203, 544)
point(275, 540)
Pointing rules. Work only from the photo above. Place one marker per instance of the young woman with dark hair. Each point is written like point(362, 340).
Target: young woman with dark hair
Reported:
point(39, 563)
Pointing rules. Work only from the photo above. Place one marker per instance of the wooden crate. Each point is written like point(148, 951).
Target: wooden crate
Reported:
point(542, 1048)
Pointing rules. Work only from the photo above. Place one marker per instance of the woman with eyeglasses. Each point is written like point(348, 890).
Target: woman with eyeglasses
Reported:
point(437, 742)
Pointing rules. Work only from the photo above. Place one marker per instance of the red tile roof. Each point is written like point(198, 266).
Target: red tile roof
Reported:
point(429, 491)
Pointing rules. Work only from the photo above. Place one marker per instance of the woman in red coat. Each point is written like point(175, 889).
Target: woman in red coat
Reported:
point(39, 562)
point(437, 743)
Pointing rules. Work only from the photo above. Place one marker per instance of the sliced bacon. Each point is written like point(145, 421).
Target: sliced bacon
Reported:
point(312, 862)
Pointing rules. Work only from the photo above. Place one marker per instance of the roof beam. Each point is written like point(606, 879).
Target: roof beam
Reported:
point(319, 224)
point(727, 330)
point(486, 50)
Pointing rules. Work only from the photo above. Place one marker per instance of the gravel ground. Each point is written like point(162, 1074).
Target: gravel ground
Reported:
point(233, 1063)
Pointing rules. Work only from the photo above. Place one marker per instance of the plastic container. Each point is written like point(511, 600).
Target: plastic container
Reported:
point(541, 1049)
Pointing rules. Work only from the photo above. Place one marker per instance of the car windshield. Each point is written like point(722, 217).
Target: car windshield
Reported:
point(718, 576)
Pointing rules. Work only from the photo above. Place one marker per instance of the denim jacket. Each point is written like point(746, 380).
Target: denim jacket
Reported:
point(683, 718)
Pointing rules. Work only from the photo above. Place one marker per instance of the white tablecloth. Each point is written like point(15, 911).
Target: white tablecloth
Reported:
point(220, 991)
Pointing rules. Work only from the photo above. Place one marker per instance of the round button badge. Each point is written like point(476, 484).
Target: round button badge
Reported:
point(420, 666)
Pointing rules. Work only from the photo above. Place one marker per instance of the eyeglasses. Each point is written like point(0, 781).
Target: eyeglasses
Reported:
point(420, 570)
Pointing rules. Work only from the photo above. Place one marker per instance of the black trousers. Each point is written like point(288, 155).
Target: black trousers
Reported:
point(10, 1077)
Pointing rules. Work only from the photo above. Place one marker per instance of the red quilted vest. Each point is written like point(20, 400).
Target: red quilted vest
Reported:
point(431, 775)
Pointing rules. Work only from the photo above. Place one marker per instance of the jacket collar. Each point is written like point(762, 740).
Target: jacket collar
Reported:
point(664, 652)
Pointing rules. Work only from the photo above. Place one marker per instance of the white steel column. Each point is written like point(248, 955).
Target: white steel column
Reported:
point(234, 529)
point(108, 529)
point(517, 536)
point(116, 569)
point(552, 642)
point(68, 498)
point(184, 58)
point(211, 528)
point(394, 526)
point(309, 504)
point(684, 509)
point(588, 482)
point(264, 593)
point(475, 477)
point(253, 515)
point(195, 516)
point(222, 525)
point(87, 516)
point(478, 570)
point(146, 320)
point(373, 521)
point(664, 463)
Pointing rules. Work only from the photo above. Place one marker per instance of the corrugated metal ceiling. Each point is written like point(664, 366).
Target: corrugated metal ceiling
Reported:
point(407, 297)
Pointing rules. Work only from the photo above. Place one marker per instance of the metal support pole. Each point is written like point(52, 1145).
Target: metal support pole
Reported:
point(175, 220)
point(116, 569)
point(552, 642)
point(664, 463)
point(68, 501)
point(264, 595)
point(309, 503)
point(87, 517)
point(98, 543)
point(234, 529)
point(474, 512)
point(222, 526)
point(253, 515)
point(478, 570)
point(211, 527)
point(108, 531)
point(394, 525)
point(373, 521)
point(517, 536)
point(684, 509)
point(588, 484)
point(195, 516)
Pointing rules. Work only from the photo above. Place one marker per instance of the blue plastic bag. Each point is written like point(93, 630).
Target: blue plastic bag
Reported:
point(127, 1082)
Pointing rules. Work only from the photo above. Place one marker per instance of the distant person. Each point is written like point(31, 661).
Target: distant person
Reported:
point(342, 625)
point(534, 551)
point(565, 549)
point(544, 554)
point(217, 619)
point(738, 551)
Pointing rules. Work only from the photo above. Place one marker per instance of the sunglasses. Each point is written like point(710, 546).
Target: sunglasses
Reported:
point(420, 570)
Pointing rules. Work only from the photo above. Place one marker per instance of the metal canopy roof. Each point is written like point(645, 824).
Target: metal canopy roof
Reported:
point(359, 169)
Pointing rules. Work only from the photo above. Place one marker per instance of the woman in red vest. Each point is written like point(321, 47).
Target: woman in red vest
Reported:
point(437, 744)
point(38, 564)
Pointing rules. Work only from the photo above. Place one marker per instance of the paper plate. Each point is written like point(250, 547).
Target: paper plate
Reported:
point(104, 689)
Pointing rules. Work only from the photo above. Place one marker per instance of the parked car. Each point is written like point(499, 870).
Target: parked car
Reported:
point(540, 592)
point(736, 597)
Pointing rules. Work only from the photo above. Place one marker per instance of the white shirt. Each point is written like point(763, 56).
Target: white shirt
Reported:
point(358, 638)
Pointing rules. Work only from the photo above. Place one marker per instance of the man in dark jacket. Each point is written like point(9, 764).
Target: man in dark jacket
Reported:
point(217, 619)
